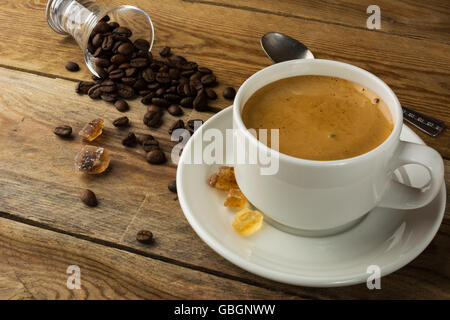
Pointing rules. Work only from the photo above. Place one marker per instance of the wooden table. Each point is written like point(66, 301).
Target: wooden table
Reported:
point(44, 227)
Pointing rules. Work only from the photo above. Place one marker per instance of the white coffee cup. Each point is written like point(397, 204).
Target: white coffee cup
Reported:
point(324, 197)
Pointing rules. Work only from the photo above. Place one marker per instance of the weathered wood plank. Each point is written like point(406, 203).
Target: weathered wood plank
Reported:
point(38, 183)
point(106, 273)
point(417, 70)
point(415, 19)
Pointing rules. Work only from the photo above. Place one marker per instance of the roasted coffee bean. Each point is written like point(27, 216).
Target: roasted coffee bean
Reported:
point(187, 73)
point(94, 92)
point(97, 40)
point(200, 102)
point(187, 102)
point(180, 90)
point(123, 32)
point(197, 84)
point(178, 60)
point(88, 197)
point(204, 70)
point(121, 122)
point(105, 18)
point(143, 93)
point(96, 79)
point(125, 49)
point(172, 186)
point(109, 97)
point(139, 62)
point(172, 90)
point(125, 91)
point(211, 94)
point(108, 43)
point(83, 87)
point(98, 52)
point(130, 140)
point(179, 124)
point(145, 237)
point(142, 44)
point(116, 74)
point(128, 81)
point(163, 103)
point(194, 124)
point(153, 119)
point(148, 98)
point(160, 92)
point(140, 85)
point(129, 72)
point(72, 66)
point(107, 86)
point(163, 77)
point(148, 75)
point(118, 59)
point(63, 131)
point(175, 110)
point(189, 91)
point(150, 145)
point(208, 79)
point(153, 86)
point(155, 66)
point(116, 46)
point(196, 76)
point(164, 69)
point(113, 25)
point(190, 66)
point(154, 108)
point(121, 105)
point(229, 93)
point(102, 72)
point(156, 157)
point(120, 38)
point(173, 98)
point(144, 137)
point(165, 52)
point(174, 74)
point(125, 66)
point(90, 48)
point(101, 27)
point(111, 68)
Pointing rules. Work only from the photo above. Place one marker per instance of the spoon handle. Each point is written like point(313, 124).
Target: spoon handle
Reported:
point(427, 124)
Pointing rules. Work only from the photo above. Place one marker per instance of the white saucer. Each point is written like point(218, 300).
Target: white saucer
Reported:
point(387, 238)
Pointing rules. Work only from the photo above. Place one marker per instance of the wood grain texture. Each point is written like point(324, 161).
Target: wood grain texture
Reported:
point(39, 184)
point(417, 70)
point(415, 19)
point(106, 273)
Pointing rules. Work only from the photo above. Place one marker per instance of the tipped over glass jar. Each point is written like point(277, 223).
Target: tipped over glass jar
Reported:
point(84, 19)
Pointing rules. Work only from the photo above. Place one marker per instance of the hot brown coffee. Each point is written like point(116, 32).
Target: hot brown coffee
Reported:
point(320, 117)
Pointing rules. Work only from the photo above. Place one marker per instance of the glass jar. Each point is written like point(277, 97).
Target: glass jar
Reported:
point(79, 17)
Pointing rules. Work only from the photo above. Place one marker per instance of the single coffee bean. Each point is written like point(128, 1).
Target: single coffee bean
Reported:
point(190, 66)
point(130, 140)
point(143, 93)
point(187, 73)
point(125, 49)
point(129, 72)
point(140, 85)
point(194, 124)
point(153, 86)
point(204, 70)
point(121, 122)
point(102, 72)
point(187, 102)
point(178, 60)
point(148, 75)
point(174, 74)
point(144, 137)
point(163, 77)
point(208, 79)
point(196, 76)
point(101, 27)
point(124, 90)
point(108, 97)
point(229, 93)
point(156, 157)
point(160, 102)
point(118, 59)
point(142, 44)
point(105, 18)
point(113, 25)
point(179, 124)
point(139, 62)
point(98, 52)
point(97, 40)
point(72, 66)
point(160, 92)
point(154, 108)
point(125, 65)
point(197, 84)
point(171, 97)
point(148, 98)
point(111, 68)
point(88, 197)
point(128, 81)
point(107, 86)
point(172, 186)
point(165, 52)
point(123, 32)
point(175, 110)
point(211, 94)
point(144, 236)
point(94, 92)
point(63, 131)
point(117, 74)
point(153, 119)
point(116, 46)
point(108, 43)
point(121, 105)
point(83, 87)
point(200, 102)
point(150, 145)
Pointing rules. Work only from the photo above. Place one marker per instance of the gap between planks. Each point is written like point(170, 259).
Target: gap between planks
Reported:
point(125, 248)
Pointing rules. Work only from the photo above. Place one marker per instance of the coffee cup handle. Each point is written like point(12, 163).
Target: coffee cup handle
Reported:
point(401, 196)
